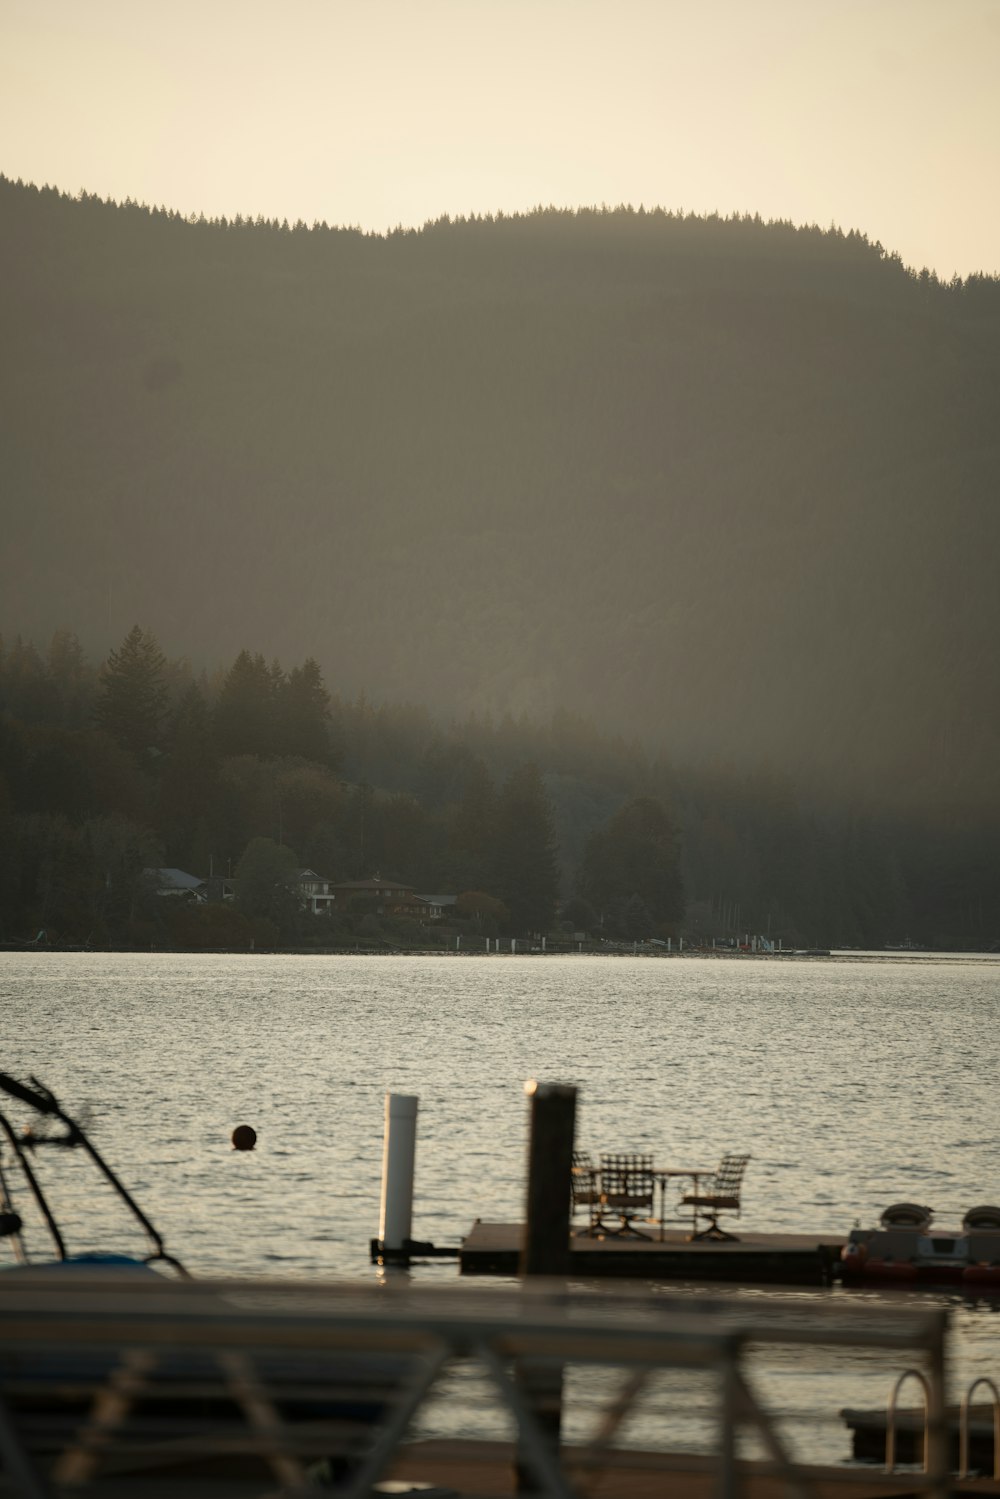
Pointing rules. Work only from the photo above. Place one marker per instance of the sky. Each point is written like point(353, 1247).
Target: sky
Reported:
point(879, 115)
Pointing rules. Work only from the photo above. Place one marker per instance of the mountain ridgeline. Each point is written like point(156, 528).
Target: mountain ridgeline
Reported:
point(726, 486)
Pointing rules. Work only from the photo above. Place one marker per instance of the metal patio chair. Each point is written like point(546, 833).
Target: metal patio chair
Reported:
point(627, 1186)
point(585, 1188)
point(719, 1194)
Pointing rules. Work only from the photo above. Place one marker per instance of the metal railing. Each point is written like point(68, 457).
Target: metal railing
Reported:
point(290, 1384)
point(964, 1419)
point(890, 1418)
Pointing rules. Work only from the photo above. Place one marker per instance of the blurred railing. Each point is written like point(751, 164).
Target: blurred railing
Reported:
point(276, 1387)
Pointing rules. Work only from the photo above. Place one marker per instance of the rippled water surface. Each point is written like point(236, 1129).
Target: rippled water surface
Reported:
point(854, 1083)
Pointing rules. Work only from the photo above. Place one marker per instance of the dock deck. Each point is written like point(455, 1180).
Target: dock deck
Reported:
point(755, 1259)
point(470, 1468)
point(118, 1384)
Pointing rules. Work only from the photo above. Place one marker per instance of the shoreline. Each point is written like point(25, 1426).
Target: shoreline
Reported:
point(849, 955)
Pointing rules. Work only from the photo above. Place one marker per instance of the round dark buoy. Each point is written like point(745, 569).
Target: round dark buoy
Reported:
point(244, 1138)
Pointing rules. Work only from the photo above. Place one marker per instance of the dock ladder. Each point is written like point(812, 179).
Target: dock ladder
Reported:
point(890, 1417)
point(964, 1420)
point(963, 1426)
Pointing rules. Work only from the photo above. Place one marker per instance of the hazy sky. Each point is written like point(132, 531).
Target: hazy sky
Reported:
point(882, 115)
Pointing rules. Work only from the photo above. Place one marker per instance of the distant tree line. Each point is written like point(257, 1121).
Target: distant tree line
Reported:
point(139, 766)
point(493, 234)
point(254, 771)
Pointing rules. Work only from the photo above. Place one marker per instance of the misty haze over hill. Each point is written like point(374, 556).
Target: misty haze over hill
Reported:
point(726, 486)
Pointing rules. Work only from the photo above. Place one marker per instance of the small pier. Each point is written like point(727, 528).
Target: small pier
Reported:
point(753, 1259)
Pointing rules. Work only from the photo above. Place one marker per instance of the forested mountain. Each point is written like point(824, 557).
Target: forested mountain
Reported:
point(727, 486)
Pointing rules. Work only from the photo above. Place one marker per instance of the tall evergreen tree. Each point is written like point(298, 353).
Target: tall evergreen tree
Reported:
point(472, 829)
point(72, 679)
point(631, 869)
point(304, 714)
point(527, 869)
point(25, 690)
point(132, 696)
point(189, 793)
point(246, 713)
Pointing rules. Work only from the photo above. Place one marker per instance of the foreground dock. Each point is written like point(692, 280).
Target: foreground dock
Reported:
point(124, 1384)
point(756, 1259)
point(483, 1469)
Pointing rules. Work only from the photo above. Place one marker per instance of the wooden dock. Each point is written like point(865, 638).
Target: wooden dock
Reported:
point(469, 1468)
point(235, 1388)
point(755, 1259)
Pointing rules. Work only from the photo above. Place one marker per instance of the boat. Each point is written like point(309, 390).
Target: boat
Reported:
point(71, 1136)
point(906, 1249)
point(188, 1411)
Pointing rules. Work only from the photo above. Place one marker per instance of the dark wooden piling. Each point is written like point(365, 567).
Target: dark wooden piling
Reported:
point(545, 1246)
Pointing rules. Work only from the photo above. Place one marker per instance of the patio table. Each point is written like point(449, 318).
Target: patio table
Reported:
point(663, 1174)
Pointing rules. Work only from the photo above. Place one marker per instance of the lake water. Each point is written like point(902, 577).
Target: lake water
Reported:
point(853, 1082)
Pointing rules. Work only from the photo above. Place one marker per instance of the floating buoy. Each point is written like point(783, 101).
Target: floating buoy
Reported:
point(244, 1138)
point(853, 1258)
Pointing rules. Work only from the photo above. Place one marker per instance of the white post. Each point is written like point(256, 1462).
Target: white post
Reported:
point(398, 1154)
point(513, 944)
point(543, 944)
point(458, 943)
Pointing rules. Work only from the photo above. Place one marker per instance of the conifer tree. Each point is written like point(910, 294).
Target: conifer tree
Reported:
point(472, 829)
point(189, 793)
point(631, 871)
point(527, 870)
point(71, 678)
point(305, 713)
point(245, 715)
point(132, 698)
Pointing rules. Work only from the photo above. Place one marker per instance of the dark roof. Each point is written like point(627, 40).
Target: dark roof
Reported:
point(175, 879)
point(376, 884)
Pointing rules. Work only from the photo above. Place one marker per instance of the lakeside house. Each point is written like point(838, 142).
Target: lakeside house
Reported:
point(315, 892)
point(381, 897)
point(320, 896)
